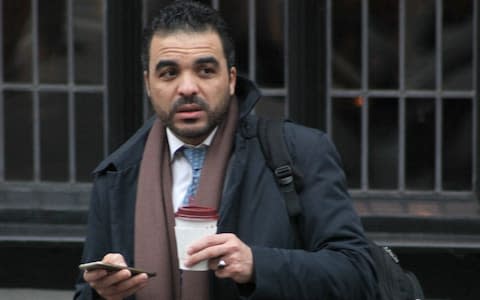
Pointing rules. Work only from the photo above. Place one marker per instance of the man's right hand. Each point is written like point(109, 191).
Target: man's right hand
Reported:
point(115, 285)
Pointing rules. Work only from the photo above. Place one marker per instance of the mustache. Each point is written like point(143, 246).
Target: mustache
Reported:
point(190, 100)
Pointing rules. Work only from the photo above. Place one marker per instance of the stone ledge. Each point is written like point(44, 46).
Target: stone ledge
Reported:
point(419, 242)
point(42, 233)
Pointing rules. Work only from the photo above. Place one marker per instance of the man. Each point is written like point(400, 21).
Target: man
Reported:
point(200, 102)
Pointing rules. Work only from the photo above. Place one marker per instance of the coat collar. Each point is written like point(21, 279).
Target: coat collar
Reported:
point(130, 153)
point(247, 94)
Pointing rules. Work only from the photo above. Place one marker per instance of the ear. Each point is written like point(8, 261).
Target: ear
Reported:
point(232, 80)
point(145, 80)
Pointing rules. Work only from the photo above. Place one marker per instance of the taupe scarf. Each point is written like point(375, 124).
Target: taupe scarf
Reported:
point(155, 246)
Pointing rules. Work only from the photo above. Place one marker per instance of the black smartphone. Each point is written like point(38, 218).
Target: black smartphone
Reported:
point(112, 268)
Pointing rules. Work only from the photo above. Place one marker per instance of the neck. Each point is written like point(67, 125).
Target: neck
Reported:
point(195, 141)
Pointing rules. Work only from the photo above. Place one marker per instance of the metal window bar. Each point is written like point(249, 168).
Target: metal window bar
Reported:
point(365, 108)
point(402, 94)
point(35, 93)
point(105, 106)
point(438, 99)
point(145, 100)
point(2, 113)
point(71, 96)
point(329, 59)
point(475, 93)
point(252, 41)
point(401, 99)
point(286, 38)
point(406, 93)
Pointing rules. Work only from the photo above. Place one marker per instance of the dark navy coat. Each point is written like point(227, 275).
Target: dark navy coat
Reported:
point(335, 262)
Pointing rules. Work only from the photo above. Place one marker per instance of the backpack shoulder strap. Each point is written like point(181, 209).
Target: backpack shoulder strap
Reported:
point(277, 156)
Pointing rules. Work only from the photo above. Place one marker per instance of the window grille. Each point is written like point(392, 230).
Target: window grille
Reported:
point(52, 90)
point(401, 94)
point(379, 77)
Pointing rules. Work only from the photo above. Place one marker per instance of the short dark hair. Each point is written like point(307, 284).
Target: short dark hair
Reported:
point(188, 16)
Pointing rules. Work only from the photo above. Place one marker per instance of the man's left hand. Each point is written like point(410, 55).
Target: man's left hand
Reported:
point(227, 247)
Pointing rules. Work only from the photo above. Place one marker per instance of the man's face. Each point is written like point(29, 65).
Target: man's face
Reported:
point(189, 83)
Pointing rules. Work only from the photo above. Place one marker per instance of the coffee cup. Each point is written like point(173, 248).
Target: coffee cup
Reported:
point(191, 224)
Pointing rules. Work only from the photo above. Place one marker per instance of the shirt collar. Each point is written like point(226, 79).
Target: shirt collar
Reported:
point(175, 143)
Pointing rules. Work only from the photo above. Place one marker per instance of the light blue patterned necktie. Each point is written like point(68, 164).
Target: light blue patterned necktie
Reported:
point(195, 157)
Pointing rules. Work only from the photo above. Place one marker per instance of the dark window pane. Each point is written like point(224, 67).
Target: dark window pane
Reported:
point(88, 32)
point(420, 144)
point(458, 44)
point(271, 107)
point(346, 123)
point(383, 44)
point(236, 14)
point(420, 44)
point(18, 136)
point(457, 144)
point(54, 136)
point(52, 41)
point(89, 133)
point(17, 41)
point(270, 38)
point(383, 144)
point(346, 39)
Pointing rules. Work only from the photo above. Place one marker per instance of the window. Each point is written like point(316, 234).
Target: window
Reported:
point(61, 113)
point(52, 90)
point(401, 95)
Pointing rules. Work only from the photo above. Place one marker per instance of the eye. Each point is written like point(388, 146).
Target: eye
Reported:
point(207, 71)
point(168, 73)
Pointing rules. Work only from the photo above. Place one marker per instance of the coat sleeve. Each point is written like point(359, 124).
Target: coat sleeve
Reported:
point(335, 262)
point(97, 241)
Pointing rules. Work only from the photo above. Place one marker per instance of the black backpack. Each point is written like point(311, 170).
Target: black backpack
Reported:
point(394, 283)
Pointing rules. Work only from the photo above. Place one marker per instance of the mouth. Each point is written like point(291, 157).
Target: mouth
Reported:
point(189, 111)
point(188, 108)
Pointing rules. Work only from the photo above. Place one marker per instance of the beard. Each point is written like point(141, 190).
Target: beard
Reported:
point(214, 117)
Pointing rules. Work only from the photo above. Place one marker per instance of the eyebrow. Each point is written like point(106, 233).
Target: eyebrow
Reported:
point(165, 63)
point(207, 60)
point(200, 61)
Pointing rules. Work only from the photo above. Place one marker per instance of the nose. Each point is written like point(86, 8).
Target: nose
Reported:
point(187, 86)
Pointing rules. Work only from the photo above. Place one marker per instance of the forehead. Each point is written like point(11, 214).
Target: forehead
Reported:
point(180, 44)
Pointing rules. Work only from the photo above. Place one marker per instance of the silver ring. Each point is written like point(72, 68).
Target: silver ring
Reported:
point(221, 264)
